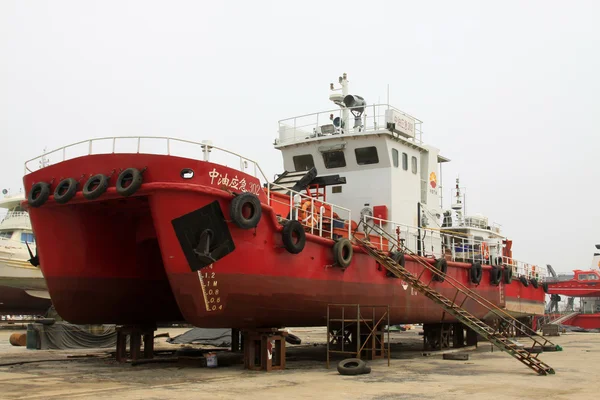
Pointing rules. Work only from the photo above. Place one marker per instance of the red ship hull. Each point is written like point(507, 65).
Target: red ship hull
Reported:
point(119, 260)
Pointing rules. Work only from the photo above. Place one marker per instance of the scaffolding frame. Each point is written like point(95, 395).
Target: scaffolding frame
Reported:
point(372, 324)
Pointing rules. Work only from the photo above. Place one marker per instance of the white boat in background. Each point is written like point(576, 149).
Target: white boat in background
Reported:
point(22, 285)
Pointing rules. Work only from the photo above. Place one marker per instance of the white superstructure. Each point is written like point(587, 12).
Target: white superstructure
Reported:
point(15, 235)
point(393, 178)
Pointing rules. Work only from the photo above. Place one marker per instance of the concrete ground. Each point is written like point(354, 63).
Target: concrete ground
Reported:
point(52, 374)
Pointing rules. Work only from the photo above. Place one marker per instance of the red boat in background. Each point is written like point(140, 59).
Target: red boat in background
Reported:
point(167, 230)
point(583, 284)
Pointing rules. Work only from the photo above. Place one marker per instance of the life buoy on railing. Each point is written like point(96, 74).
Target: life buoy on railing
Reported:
point(485, 250)
point(308, 215)
point(342, 252)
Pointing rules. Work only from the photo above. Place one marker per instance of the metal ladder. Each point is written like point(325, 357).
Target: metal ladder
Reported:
point(498, 339)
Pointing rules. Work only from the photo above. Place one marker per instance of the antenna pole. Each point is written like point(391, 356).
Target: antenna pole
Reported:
point(388, 96)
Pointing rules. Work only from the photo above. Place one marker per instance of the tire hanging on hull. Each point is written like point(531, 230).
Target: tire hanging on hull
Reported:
point(342, 252)
point(441, 265)
point(245, 210)
point(293, 237)
point(398, 257)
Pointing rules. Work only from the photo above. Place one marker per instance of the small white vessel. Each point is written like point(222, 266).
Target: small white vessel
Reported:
point(22, 285)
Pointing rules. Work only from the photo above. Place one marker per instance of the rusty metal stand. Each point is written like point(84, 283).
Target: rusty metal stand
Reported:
point(236, 342)
point(135, 334)
point(264, 350)
point(358, 330)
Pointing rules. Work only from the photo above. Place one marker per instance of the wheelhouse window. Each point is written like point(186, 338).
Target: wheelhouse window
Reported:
point(413, 164)
point(334, 159)
point(304, 162)
point(27, 237)
point(395, 158)
point(405, 161)
point(366, 155)
point(6, 234)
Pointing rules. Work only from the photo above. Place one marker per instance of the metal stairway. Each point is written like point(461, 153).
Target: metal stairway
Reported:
point(498, 339)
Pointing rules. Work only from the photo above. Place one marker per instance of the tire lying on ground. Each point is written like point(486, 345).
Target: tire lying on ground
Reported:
point(292, 339)
point(353, 366)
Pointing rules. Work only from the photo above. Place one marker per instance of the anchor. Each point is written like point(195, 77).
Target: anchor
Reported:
point(203, 252)
point(34, 260)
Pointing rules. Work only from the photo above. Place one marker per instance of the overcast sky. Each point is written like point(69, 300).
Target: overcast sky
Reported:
point(509, 92)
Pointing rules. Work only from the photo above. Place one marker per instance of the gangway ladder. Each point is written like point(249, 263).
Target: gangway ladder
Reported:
point(499, 339)
point(497, 311)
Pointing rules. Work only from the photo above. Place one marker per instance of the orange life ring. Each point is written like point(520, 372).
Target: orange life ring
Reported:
point(308, 215)
point(485, 250)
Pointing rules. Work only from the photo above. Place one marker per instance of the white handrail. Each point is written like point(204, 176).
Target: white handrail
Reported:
point(303, 127)
point(295, 203)
point(139, 139)
point(463, 248)
point(205, 147)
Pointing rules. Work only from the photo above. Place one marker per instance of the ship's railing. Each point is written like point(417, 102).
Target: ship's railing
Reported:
point(521, 268)
point(303, 127)
point(147, 145)
point(461, 248)
point(315, 218)
point(317, 215)
point(15, 214)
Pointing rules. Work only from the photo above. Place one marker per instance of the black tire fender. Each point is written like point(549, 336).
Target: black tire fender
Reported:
point(476, 273)
point(508, 274)
point(524, 281)
point(38, 194)
point(293, 237)
point(95, 186)
point(342, 252)
point(398, 257)
point(441, 265)
point(351, 366)
point(129, 181)
point(65, 190)
point(534, 282)
point(495, 275)
point(245, 210)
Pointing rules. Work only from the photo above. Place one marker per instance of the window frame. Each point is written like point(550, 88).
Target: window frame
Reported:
point(369, 157)
point(404, 161)
point(327, 153)
point(303, 155)
point(414, 165)
point(395, 158)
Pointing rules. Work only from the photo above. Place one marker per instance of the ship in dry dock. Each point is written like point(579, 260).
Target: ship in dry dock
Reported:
point(147, 235)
